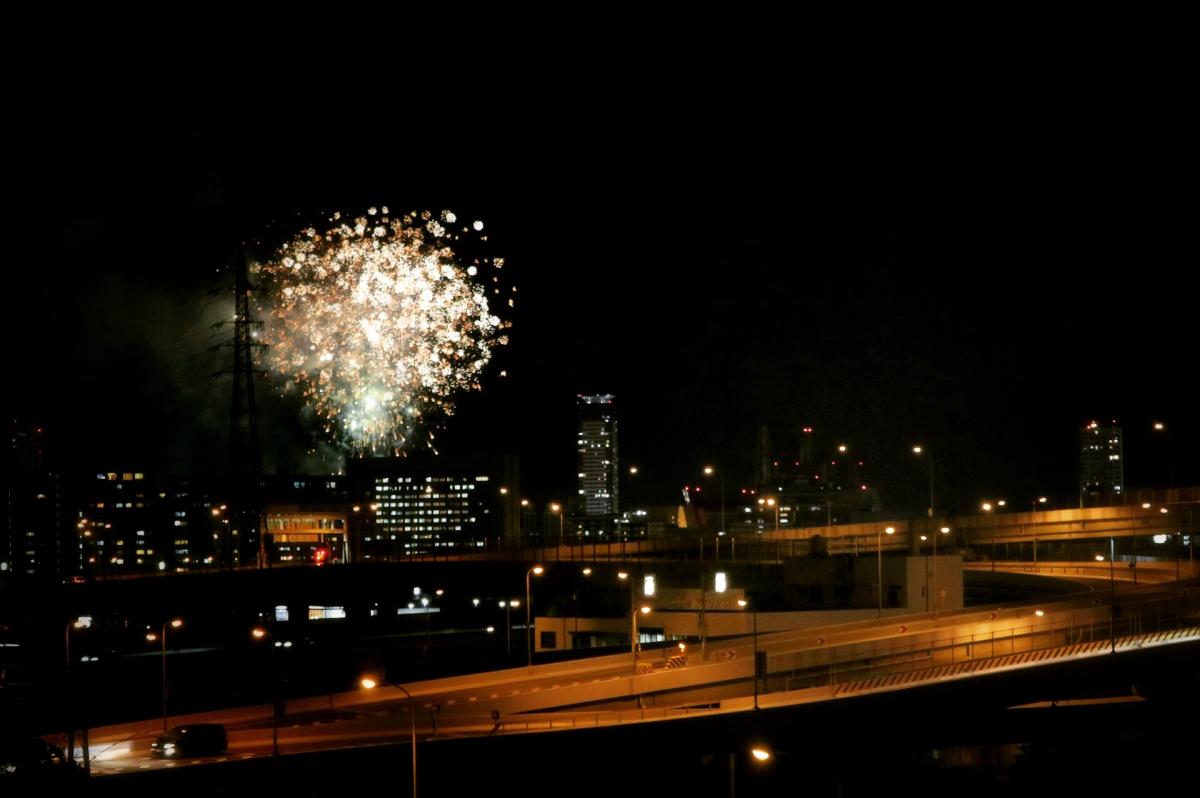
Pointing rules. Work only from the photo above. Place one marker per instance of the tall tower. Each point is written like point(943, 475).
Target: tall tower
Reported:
point(1101, 462)
point(243, 544)
point(598, 458)
point(31, 541)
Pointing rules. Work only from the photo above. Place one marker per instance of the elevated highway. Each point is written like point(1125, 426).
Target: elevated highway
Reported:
point(795, 667)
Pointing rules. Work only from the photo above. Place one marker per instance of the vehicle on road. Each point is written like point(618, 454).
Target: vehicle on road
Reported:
point(196, 739)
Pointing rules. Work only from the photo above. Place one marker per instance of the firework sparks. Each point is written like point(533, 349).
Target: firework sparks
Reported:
point(377, 322)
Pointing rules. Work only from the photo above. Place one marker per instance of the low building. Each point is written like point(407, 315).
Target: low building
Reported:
point(818, 592)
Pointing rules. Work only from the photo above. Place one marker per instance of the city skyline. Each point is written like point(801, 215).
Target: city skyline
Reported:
point(712, 312)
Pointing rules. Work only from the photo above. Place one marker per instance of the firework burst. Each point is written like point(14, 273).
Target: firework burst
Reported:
point(378, 322)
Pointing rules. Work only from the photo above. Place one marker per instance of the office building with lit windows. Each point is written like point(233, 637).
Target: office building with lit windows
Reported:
point(1101, 463)
point(129, 523)
point(598, 473)
point(423, 506)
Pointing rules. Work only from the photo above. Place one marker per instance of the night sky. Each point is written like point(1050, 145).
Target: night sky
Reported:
point(983, 301)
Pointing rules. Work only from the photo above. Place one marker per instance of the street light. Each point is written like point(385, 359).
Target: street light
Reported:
point(174, 623)
point(370, 683)
point(1161, 427)
point(742, 604)
point(644, 610)
point(261, 633)
point(771, 502)
point(879, 556)
point(555, 507)
point(507, 607)
point(918, 450)
point(987, 508)
point(633, 634)
point(537, 569)
point(708, 472)
point(1112, 594)
point(945, 531)
point(82, 622)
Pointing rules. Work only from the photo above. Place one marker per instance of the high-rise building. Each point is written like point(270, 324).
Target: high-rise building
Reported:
point(31, 545)
point(1101, 462)
point(598, 457)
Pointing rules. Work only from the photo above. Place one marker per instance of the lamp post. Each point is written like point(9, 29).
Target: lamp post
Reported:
point(771, 502)
point(370, 683)
point(987, 508)
point(879, 557)
point(585, 572)
point(636, 645)
point(507, 607)
point(633, 635)
point(82, 622)
point(556, 508)
point(1160, 430)
point(708, 472)
point(537, 569)
point(742, 604)
point(261, 633)
point(945, 531)
point(918, 450)
point(1112, 594)
point(174, 623)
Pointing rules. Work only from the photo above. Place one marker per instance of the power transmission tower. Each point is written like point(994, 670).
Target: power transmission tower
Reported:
point(242, 541)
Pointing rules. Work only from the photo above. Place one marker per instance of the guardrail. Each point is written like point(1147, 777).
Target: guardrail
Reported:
point(976, 650)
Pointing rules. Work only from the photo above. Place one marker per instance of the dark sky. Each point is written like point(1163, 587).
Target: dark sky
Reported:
point(984, 297)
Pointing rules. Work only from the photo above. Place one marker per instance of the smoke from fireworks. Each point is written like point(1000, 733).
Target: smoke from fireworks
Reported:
point(379, 324)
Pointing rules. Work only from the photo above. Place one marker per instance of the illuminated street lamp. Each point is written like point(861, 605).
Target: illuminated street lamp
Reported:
point(635, 646)
point(945, 531)
point(708, 472)
point(1160, 428)
point(1112, 594)
point(175, 623)
point(919, 450)
point(771, 502)
point(262, 633)
point(742, 604)
point(633, 633)
point(557, 508)
point(879, 556)
point(370, 683)
point(987, 508)
point(537, 569)
point(507, 606)
point(82, 622)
